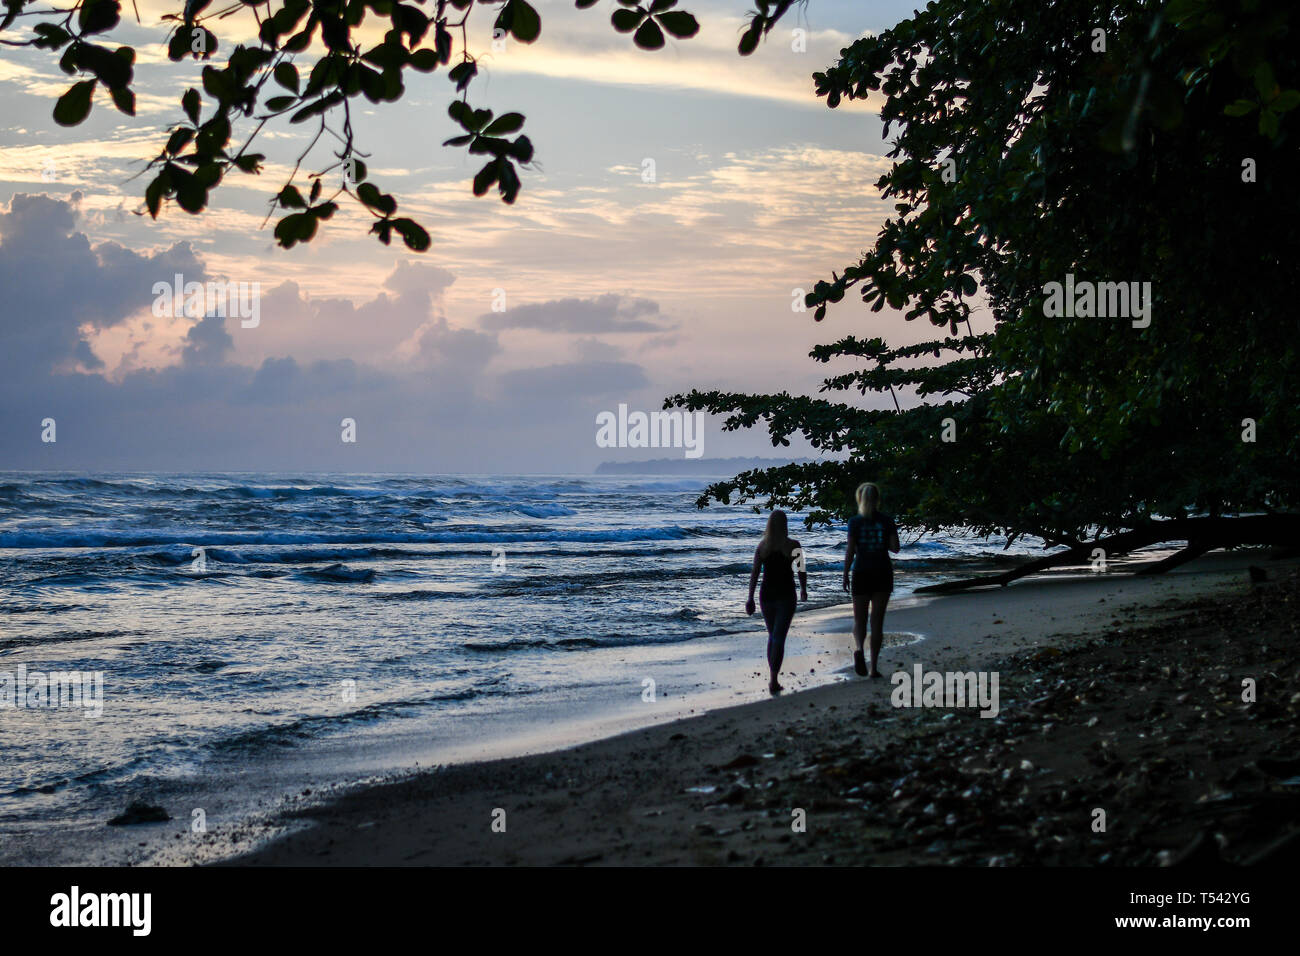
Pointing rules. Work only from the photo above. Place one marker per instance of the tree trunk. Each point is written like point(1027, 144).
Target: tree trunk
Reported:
point(1202, 535)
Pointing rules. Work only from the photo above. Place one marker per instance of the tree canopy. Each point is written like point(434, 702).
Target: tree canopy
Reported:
point(1041, 143)
point(309, 66)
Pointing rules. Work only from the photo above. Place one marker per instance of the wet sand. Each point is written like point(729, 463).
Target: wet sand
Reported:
point(1117, 694)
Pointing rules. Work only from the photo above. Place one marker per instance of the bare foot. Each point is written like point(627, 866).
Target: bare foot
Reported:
point(773, 687)
point(859, 663)
point(875, 673)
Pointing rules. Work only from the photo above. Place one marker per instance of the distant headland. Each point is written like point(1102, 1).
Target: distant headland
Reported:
point(693, 466)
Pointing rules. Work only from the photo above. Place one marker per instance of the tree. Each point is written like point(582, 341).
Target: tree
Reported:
point(309, 67)
point(1103, 142)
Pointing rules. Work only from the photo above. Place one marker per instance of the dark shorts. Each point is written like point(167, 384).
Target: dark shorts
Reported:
point(867, 581)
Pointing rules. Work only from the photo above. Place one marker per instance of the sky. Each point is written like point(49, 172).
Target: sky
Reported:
point(495, 350)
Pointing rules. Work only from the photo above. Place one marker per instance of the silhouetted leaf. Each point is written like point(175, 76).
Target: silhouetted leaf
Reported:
point(74, 105)
point(190, 103)
point(625, 21)
point(414, 235)
point(505, 124)
point(286, 74)
point(649, 36)
point(679, 23)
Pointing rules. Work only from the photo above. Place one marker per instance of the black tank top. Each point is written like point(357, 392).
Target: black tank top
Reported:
point(778, 577)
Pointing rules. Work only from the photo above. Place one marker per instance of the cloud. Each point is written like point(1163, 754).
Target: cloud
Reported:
point(606, 313)
point(438, 404)
point(575, 379)
point(207, 341)
point(59, 289)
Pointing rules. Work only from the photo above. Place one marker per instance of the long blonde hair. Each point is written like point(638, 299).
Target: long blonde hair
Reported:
point(868, 496)
point(776, 535)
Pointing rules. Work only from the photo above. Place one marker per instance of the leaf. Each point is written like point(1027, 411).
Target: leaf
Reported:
point(522, 149)
point(625, 21)
point(462, 73)
point(484, 179)
point(12, 8)
point(524, 23)
point(190, 103)
point(291, 198)
point(359, 169)
point(295, 228)
point(179, 139)
point(527, 25)
point(124, 100)
point(426, 61)
point(369, 194)
point(508, 181)
point(749, 41)
point(153, 196)
point(1268, 123)
point(286, 74)
point(1239, 108)
point(649, 36)
point(1285, 101)
point(51, 37)
point(460, 111)
point(1265, 81)
point(413, 234)
point(250, 162)
point(191, 195)
point(74, 105)
point(96, 16)
point(505, 124)
point(679, 23)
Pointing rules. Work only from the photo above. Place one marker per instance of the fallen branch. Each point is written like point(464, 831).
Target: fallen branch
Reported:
point(1202, 535)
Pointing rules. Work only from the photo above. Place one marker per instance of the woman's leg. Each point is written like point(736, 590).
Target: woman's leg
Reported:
point(769, 609)
point(776, 638)
point(879, 601)
point(861, 605)
point(778, 616)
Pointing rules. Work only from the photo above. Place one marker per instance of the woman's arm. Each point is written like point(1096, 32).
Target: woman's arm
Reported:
point(801, 564)
point(753, 581)
point(849, 552)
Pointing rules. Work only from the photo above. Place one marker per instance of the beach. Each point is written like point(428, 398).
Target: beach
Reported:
point(1117, 693)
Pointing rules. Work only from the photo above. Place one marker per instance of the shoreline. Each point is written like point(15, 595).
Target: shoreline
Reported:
point(655, 794)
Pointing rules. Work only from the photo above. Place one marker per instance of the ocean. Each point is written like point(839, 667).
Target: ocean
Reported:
point(239, 618)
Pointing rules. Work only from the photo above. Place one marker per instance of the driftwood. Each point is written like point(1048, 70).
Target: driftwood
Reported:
point(1201, 535)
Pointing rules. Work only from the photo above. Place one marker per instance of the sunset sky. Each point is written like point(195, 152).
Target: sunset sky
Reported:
point(617, 290)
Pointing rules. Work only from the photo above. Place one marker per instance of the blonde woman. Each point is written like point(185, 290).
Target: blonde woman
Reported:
point(869, 572)
point(776, 556)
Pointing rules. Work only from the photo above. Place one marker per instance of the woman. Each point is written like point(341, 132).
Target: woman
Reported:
point(777, 555)
point(869, 573)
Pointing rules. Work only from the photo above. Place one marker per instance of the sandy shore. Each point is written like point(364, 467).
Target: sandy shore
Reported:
point(1116, 693)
